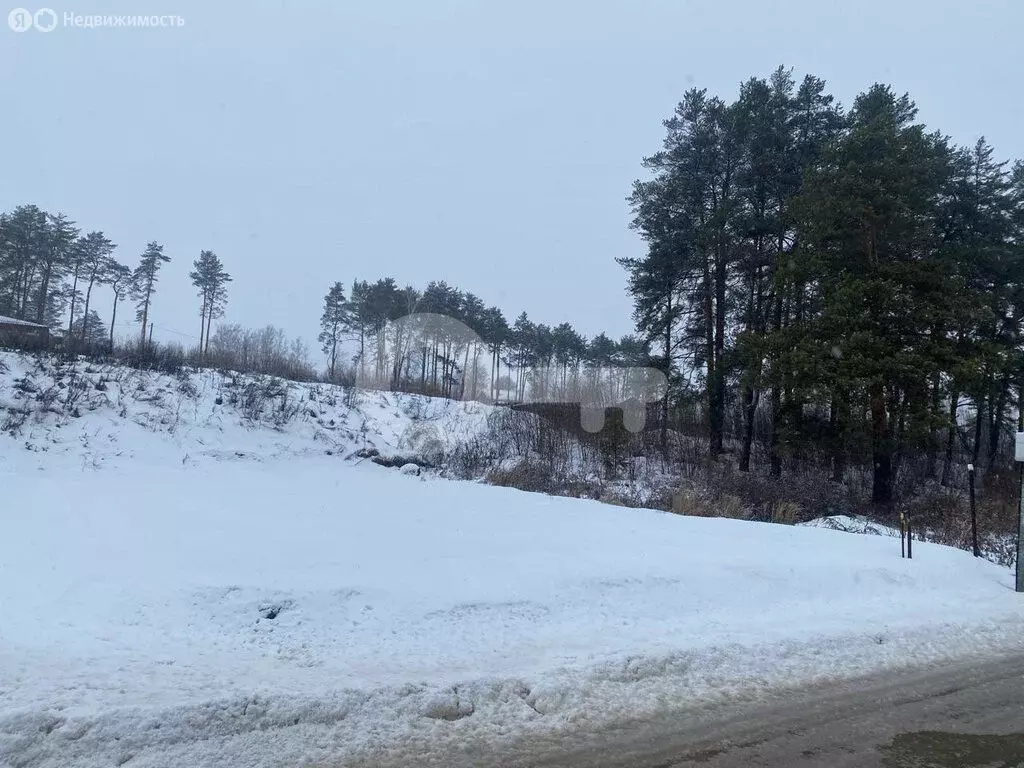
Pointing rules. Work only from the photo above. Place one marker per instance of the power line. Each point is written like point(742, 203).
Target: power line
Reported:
point(158, 327)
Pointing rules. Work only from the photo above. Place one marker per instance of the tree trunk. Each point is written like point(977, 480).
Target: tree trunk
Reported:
point(423, 369)
point(881, 450)
point(145, 310)
point(85, 315)
point(718, 388)
point(933, 438)
point(202, 324)
point(709, 349)
point(433, 367)
point(113, 319)
point(362, 356)
point(497, 374)
point(74, 296)
point(334, 349)
point(979, 420)
point(947, 464)
point(898, 404)
point(996, 420)
point(839, 418)
point(774, 459)
point(44, 293)
point(209, 322)
point(750, 400)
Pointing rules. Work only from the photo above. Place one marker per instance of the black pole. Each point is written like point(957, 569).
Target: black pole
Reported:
point(903, 536)
point(910, 540)
point(1020, 532)
point(974, 512)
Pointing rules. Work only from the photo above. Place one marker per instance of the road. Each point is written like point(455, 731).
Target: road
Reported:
point(873, 722)
point(850, 727)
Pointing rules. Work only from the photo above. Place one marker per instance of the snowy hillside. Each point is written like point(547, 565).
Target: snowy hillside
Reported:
point(184, 583)
point(110, 415)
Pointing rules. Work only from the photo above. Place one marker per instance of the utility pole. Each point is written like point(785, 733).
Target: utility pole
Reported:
point(1019, 456)
point(974, 512)
point(1020, 540)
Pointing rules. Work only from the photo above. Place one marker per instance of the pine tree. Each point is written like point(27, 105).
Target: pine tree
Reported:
point(88, 329)
point(686, 213)
point(495, 334)
point(868, 214)
point(77, 258)
point(25, 238)
point(471, 313)
point(360, 320)
point(210, 280)
point(95, 260)
point(61, 234)
point(36, 254)
point(522, 342)
point(333, 322)
point(144, 281)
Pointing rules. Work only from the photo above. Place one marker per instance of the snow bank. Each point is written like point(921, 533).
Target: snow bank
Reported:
point(289, 611)
point(851, 524)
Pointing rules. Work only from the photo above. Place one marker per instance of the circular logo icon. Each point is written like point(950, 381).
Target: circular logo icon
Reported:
point(45, 19)
point(20, 19)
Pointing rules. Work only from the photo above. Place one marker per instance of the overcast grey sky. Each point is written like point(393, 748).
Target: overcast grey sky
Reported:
point(488, 144)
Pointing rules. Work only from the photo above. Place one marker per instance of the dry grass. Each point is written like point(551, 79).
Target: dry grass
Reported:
point(784, 512)
point(690, 503)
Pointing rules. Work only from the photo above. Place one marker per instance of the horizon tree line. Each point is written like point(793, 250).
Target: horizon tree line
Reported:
point(49, 270)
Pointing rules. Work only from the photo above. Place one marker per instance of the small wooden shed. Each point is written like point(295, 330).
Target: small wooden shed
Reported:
point(22, 334)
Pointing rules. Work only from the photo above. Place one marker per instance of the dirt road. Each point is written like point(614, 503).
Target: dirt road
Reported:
point(876, 722)
point(968, 715)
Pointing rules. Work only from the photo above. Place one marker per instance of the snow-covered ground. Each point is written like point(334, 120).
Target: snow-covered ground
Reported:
point(112, 416)
point(226, 593)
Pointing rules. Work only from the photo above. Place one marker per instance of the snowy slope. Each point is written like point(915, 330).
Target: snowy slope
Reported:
point(112, 416)
point(144, 598)
point(283, 607)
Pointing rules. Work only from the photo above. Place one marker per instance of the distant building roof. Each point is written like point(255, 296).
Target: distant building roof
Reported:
point(15, 321)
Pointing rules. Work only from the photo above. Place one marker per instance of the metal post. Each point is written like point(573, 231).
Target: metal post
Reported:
point(910, 540)
point(1020, 536)
point(1018, 454)
point(974, 513)
point(903, 535)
